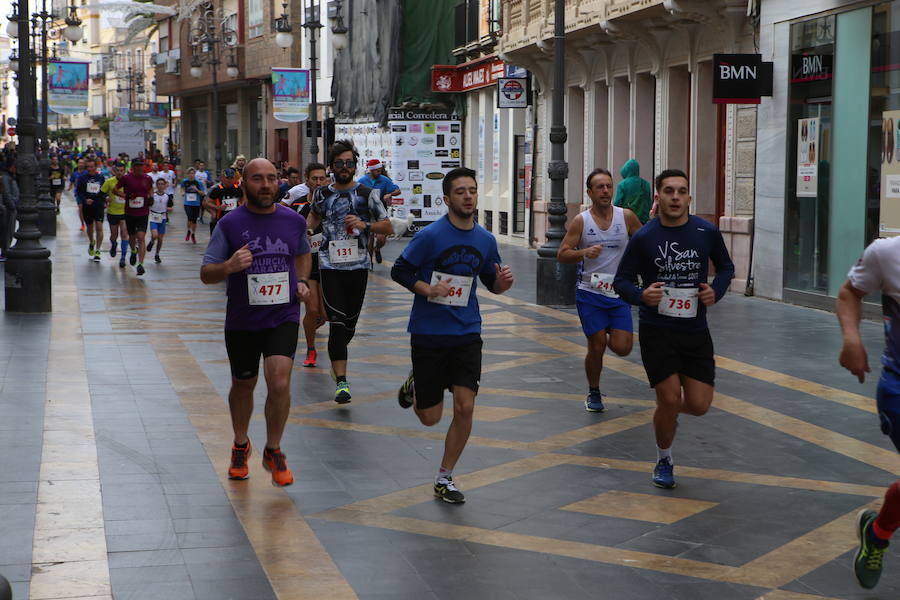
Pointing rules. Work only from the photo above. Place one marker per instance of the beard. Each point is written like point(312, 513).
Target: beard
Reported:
point(259, 201)
point(460, 212)
point(343, 177)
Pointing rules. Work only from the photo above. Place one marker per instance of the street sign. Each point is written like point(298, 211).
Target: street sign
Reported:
point(11, 131)
point(12, 121)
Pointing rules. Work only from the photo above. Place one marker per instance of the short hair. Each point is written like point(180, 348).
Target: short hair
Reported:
point(292, 170)
point(669, 173)
point(339, 147)
point(313, 166)
point(455, 174)
point(597, 171)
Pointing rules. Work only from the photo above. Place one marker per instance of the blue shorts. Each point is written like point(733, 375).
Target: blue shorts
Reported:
point(888, 397)
point(160, 228)
point(598, 313)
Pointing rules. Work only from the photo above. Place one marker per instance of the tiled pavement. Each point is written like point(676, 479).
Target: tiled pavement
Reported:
point(116, 434)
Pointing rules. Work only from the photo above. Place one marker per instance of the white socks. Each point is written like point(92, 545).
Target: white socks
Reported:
point(664, 454)
point(443, 474)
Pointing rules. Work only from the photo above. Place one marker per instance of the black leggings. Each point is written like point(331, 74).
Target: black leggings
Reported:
point(343, 292)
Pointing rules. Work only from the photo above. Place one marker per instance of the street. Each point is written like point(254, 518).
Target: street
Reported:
point(117, 436)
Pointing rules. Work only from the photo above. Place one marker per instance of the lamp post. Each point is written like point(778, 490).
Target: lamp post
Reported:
point(46, 206)
point(556, 281)
point(28, 283)
point(212, 30)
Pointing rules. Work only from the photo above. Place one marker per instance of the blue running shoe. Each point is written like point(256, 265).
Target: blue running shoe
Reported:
point(664, 474)
point(594, 402)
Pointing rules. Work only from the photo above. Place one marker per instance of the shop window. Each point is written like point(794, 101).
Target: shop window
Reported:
point(883, 173)
point(808, 185)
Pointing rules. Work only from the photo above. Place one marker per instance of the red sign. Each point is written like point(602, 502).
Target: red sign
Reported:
point(11, 131)
point(467, 76)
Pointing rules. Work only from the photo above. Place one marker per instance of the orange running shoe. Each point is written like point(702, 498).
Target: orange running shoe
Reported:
point(274, 462)
point(310, 358)
point(239, 469)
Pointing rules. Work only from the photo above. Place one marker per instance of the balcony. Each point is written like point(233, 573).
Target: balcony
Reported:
point(475, 31)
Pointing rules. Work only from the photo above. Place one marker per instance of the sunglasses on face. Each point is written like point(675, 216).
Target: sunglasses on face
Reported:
point(340, 164)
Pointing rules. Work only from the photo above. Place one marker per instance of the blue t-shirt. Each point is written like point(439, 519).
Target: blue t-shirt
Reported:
point(87, 183)
point(679, 257)
point(73, 179)
point(192, 186)
point(443, 248)
point(384, 184)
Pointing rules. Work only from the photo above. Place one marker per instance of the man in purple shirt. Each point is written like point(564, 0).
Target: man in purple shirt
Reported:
point(137, 188)
point(261, 249)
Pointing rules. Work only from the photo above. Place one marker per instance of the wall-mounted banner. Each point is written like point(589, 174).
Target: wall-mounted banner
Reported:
point(68, 83)
point(290, 95)
point(159, 115)
point(512, 93)
point(741, 78)
point(123, 114)
point(808, 153)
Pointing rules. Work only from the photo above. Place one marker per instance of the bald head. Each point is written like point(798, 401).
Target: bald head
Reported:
point(259, 164)
point(260, 183)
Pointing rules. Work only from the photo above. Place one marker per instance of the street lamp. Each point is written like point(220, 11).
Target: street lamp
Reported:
point(14, 61)
point(339, 31)
point(284, 32)
point(73, 30)
point(12, 26)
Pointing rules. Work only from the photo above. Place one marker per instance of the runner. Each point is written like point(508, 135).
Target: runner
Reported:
point(159, 213)
point(596, 240)
point(56, 181)
point(137, 187)
point(168, 174)
point(194, 190)
point(223, 198)
point(73, 185)
point(88, 187)
point(671, 254)
point(115, 213)
point(376, 177)
point(261, 249)
point(348, 212)
point(439, 266)
point(292, 179)
point(315, 308)
point(877, 270)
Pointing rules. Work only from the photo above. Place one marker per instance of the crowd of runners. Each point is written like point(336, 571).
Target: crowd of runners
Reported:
point(295, 249)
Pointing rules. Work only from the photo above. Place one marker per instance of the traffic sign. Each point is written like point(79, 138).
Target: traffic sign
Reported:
point(11, 131)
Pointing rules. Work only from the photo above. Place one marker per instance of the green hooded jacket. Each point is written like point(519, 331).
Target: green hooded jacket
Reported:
point(634, 192)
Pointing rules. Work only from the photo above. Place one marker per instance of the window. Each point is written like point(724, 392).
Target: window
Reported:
point(254, 18)
point(164, 36)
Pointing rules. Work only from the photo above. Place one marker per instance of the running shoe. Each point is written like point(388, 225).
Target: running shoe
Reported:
point(150, 246)
point(378, 256)
point(91, 249)
point(82, 227)
point(445, 489)
point(140, 269)
point(239, 456)
point(594, 402)
point(187, 236)
point(157, 259)
point(122, 262)
point(664, 474)
point(868, 559)
point(112, 249)
point(310, 360)
point(342, 392)
point(274, 462)
point(97, 255)
point(193, 238)
point(133, 259)
point(405, 394)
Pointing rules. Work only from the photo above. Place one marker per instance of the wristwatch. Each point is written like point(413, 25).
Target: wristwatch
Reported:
point(304, 282)
point(368, 228)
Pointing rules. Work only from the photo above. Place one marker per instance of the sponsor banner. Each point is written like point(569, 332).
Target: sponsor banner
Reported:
point(68, 86)
point(290, 94)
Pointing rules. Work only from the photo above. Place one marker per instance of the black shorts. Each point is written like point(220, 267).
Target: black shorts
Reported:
point(135, 224)
point(314, 271)
point(56, 189)
point(114, 219)
point(436, 369)
point(192, 212)
point(94, 212)
point(245, 347)
point(666, 352)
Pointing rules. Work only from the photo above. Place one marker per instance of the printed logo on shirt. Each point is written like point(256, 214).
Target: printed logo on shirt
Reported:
point(675, 263)
point(460, 260)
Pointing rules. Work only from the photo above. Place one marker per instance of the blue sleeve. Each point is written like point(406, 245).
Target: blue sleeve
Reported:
point(416, 252)
point(625, 282)
point(391, 186)
point(217, 251)
point(488, 275)
point(405, 273)
point(724, 267)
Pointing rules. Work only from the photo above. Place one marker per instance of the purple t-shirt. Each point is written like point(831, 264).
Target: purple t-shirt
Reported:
point(274, 239)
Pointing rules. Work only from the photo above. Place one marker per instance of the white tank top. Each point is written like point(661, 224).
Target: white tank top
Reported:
point(604, 266)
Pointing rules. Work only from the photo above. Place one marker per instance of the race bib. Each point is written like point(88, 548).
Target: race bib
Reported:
point(343, 251)
point(190, 198)
point(93, 187)
point(229, 204)
point(56, 181)
point(156, 217)
point(315, 241)
point(603, 283)
point(268, 288)
point(118, 199)
point(679, 302)
point(460, 288)
point(136, 202)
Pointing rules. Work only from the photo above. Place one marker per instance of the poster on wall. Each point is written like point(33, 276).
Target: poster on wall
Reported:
point(68, 86)
point(482, 167)
point(889, 225)
point(369, 140)
point(424, 147)
point(290, 94)
point(529, 164)
point(495, 139)
point(807, 158)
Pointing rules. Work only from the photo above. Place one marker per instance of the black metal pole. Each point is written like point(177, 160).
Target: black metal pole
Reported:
point(313, 76)
point(556, 281)
point(171, 153)
point(46, 205)
point(28, 283)
point(214, 65)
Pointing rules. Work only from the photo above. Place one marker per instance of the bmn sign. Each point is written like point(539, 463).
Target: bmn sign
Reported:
point(741, 78)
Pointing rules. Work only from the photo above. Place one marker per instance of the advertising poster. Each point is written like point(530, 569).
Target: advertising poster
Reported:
point(126, 136)
point(807, 158)
point(371, 142)
point(890, 174)
point(495, 139)
point(290, 95)
point(423, 147)
point(158, 117)
point(481, 164)
point(529, 164)
point(68, 86)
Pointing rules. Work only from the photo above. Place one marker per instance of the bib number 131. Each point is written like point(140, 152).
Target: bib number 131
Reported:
point(679, 302)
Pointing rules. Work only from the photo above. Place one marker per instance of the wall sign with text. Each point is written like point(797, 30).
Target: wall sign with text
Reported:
point(741, 78)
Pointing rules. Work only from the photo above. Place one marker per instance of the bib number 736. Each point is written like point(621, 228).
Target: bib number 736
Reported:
point(679, 302)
